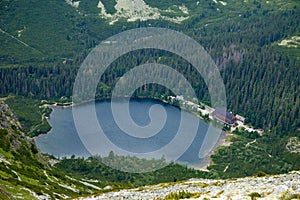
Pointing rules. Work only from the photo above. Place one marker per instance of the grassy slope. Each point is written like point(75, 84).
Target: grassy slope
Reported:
point(249, 154)
point(56, 30)
point(30, 114)
point(50, 27)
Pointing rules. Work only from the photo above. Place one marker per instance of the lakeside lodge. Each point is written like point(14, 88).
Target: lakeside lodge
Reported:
point(222, 115)
point(219, 114)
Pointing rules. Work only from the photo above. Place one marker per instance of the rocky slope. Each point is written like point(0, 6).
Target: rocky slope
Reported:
point(11, 135)
point(285, 186)
point(133, 10)
point(7, 117)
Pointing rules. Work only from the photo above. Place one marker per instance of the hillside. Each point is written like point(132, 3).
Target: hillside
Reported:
point(24, 172)
point(57, 30)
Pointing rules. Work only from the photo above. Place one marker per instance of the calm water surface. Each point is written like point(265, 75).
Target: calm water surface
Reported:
point(63, 139)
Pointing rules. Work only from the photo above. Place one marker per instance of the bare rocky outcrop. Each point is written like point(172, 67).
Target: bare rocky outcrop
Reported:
point(133, 10)
point(7, 118)
point(293, 145)
point(282, 186)
point(12, 128)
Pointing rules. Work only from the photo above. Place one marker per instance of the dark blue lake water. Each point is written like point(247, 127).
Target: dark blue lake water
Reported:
point(63, 139)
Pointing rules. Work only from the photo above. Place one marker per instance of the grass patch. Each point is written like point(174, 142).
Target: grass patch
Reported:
point(30, 114)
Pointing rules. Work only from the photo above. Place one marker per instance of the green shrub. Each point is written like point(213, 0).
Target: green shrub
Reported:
point(180, 195)
point(4, 142)
point(254, 195)
point(260, 174)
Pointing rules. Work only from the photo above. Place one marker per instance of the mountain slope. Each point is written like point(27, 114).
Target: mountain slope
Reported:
point(24, 172)
point(55, 30)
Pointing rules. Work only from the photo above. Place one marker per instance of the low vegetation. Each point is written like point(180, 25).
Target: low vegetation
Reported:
point(93, 168)
point(180, 195)
point(256, 155)
point(31, 113)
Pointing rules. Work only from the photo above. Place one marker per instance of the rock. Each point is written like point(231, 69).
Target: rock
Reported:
point(269, 187)
point(108, 187)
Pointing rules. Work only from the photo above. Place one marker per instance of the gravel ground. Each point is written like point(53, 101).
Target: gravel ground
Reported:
point(269, 187)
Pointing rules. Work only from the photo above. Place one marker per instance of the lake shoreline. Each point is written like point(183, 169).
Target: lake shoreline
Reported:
point(205, 161)
point(222, 142)
point(71, 104)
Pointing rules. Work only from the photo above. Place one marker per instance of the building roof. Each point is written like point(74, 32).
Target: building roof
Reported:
point(223, 111)
point(222, 114)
